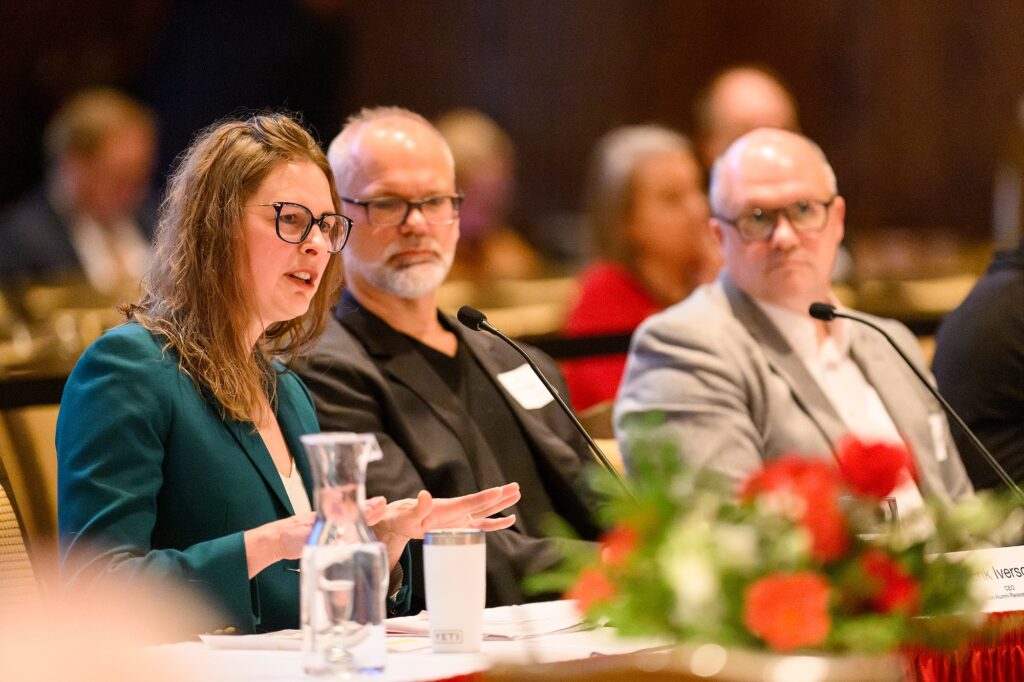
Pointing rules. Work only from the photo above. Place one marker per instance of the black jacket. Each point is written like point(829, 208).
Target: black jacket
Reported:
point(979, 366)
point(367, 377)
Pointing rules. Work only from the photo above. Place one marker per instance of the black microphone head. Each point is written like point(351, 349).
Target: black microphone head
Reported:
point(471, 317)
point(823, 311)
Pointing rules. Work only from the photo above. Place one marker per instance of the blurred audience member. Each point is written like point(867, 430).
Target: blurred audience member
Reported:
point(650, 220)
point(736, 101)
point(979, 365)
point(89, 221)
point(489, 248)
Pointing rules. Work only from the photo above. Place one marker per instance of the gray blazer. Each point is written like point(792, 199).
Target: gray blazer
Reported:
point(735, 394)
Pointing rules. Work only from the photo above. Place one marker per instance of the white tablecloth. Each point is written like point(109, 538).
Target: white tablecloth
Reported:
point(409, 658)
point(199, 662)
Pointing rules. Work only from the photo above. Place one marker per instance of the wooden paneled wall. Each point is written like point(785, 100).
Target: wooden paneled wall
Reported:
point(910, 99)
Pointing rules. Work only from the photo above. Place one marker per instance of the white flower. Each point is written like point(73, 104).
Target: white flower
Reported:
point(737, 546)
point(686, 564)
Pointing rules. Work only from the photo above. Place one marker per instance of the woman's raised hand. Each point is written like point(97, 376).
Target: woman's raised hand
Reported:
point(398, 522)
point(394, 524)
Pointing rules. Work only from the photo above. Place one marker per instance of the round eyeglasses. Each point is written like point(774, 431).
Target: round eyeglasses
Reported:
point(442, 209)
point(806, 215)
point(294, 222)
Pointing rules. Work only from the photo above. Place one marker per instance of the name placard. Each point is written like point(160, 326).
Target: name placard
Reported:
point(998, 574)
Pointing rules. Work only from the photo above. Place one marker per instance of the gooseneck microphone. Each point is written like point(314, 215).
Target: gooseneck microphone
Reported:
point(477, 321)
point(827, 312)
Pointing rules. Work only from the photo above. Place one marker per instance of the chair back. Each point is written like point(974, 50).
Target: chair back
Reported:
point(17, 577)
point(597, 419)
point(31, 465)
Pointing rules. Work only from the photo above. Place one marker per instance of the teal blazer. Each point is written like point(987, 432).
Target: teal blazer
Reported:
point(154, 482)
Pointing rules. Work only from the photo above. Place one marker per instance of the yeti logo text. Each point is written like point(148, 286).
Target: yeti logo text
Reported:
point(447, 636)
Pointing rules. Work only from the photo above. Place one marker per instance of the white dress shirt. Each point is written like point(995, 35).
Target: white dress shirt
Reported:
point(855, 400)
point(112, 257)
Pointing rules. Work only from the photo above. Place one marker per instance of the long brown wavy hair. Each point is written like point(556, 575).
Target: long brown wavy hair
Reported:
point(197, 291)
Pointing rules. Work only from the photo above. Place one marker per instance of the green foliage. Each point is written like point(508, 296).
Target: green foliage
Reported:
point(682, 554)
point(869, 634)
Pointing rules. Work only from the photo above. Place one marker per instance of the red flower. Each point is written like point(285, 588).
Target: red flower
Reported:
point(808, 489)
point(805, 476)
point(592, 587)
point(893, 588)
point(617, 544)
point(872, 469)
point(788, 611)
point(830, 538)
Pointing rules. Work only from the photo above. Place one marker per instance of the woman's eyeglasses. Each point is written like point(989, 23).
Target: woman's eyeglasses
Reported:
point(294, 222)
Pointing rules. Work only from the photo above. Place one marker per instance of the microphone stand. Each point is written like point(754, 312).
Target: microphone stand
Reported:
point(476, 320)
point(827, 312)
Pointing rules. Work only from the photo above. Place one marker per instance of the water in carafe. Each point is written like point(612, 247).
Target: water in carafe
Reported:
point(344, 569)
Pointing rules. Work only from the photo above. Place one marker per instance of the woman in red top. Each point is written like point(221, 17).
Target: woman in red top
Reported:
point(649, 213)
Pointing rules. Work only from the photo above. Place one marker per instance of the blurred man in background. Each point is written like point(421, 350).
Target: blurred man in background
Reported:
point(90, 221)
point(738, 100)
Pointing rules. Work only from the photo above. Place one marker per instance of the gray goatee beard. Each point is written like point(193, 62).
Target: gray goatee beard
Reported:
point(410, 282)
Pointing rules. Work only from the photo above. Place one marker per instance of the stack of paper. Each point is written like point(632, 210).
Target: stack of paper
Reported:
point(522, 621)
point(501, 623)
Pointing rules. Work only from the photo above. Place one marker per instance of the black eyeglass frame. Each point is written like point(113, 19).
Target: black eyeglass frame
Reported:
point(319, 222)
point(774, 213)
point(365, 204)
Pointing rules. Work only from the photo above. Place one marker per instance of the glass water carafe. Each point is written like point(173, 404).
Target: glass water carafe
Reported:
point(344, 569)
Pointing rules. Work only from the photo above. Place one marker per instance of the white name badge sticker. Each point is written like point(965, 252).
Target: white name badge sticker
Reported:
point(937, 424)
point(998, 576)
point(523, 385)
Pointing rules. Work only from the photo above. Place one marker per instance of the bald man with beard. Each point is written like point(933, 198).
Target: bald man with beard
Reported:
point(453, 409)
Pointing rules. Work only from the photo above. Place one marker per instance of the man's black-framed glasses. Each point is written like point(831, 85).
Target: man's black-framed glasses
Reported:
point(806, 215)
point(441, 209)
point(293, 223)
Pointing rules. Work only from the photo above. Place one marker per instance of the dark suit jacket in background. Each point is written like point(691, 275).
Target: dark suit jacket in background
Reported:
point(735, 394)
point(367, 377)
point(979, 364)
point(153, 482)
point(35, 241)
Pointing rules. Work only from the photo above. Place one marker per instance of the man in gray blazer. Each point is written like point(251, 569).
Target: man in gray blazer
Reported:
point(453, 409)
point(742, 373)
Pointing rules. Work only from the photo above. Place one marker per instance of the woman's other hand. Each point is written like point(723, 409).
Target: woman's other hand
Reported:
point(276, 541)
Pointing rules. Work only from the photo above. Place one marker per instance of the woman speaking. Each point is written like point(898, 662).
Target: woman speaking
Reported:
point(178, 435)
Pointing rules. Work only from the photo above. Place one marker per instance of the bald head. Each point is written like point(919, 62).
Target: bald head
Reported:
point(740, 100)
point(762, 154)
point(381, 131)
point(394, 159)
point(783, 180)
